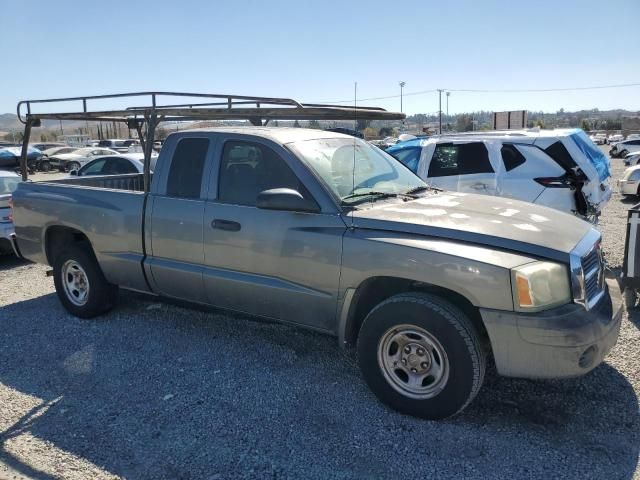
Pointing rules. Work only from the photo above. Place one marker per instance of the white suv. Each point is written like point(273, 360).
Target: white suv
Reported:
point(560, 171)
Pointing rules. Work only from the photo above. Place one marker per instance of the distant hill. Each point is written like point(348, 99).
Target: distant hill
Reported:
point(9, 122)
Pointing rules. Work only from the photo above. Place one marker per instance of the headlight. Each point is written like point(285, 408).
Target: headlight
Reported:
point(540, 285)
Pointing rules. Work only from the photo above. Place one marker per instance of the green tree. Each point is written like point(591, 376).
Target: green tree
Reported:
point(539, 123)
point(361, 124)
point(160, 133)
point(369, 132)
point(584, 125)
point(464, 123)
point(386, 132)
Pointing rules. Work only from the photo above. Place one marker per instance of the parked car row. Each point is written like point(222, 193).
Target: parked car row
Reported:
point(121, 164)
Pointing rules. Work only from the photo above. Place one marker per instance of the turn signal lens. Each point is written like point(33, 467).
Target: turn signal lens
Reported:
point(524, 291)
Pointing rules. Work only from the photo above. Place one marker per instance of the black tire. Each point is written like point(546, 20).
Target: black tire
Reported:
point(101, 296)
point(72, 166)
point(455, 333)
point(630, 298)
point(45, 166)
point(623, 153)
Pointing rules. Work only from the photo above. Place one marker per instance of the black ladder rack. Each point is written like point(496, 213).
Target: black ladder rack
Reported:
point(162, 106)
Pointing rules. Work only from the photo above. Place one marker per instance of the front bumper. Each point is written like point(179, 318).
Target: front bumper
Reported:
point(567, 341)
point(627, 187)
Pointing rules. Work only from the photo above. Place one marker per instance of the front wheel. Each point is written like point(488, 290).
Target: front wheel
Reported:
point(623, 153)
point(72, 166)
point(80, 283)
point(421, 355)
point(45, 166)
point(630, 298)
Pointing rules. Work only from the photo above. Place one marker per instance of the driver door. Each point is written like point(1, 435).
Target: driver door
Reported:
point(278, 264)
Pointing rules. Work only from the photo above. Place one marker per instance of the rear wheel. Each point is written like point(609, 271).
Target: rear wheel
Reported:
point(421, 355)
point(80, 283)
point(623, 153)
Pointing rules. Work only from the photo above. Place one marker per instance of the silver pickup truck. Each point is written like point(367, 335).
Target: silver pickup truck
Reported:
point(325, 231)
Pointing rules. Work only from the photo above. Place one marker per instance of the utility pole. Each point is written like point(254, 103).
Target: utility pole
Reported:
point(402, 84)
point(440, 90)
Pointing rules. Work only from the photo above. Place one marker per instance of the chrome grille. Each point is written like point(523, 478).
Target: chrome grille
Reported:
point(592, 271)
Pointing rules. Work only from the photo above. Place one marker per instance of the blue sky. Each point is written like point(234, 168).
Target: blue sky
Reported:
point(316, 50)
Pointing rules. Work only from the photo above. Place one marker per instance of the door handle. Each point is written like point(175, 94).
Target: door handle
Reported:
point(479, 186)
point(227, 225)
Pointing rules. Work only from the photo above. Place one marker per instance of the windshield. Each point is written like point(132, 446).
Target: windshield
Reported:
point(334, 159)
point(8, 184)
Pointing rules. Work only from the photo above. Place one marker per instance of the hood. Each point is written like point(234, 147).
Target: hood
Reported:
point(68, 156)
point(482, 219)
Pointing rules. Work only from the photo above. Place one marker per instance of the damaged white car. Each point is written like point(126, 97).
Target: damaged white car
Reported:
point(560, 169)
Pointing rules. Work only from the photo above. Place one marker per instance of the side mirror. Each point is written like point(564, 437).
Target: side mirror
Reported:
point(286, 199)
point(73, 172)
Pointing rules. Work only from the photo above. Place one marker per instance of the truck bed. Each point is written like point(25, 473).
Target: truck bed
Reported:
point(133, 182)
point(109, 211)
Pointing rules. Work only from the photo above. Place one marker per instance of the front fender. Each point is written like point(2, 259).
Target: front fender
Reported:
point(479, 274)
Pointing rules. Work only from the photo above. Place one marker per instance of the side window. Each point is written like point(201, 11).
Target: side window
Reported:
point(119, 166)
point(187, 166)
point(246, 169)
point(94, 168)
point(511, 157)
point(459, 159)
point(409, 157)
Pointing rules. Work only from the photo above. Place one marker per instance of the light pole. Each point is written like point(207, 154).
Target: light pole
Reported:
point(440, 111)
point(448, 93)
point(402, 84)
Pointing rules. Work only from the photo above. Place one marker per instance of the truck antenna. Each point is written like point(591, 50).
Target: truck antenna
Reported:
point(355, 128)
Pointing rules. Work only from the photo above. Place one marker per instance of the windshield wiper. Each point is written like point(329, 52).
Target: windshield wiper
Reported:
point(378, 195)
point(422, 189)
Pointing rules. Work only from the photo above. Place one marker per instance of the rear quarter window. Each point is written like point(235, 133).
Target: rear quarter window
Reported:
point(187, 167)
point(560, 154)
point(511, 157)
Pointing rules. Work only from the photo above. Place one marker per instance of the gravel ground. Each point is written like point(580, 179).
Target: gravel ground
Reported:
point(158, 391)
